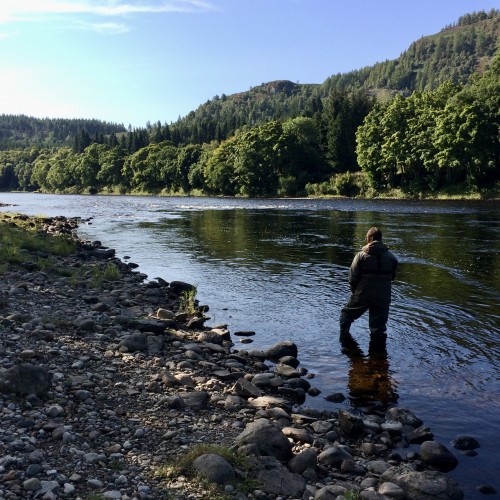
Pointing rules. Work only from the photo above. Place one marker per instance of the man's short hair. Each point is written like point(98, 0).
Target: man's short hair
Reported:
point(374, 234)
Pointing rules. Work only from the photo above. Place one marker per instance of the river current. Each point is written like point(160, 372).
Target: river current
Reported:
point(279, 268)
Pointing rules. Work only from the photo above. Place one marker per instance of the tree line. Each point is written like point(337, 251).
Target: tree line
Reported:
point(430, 141)
point(17, 131)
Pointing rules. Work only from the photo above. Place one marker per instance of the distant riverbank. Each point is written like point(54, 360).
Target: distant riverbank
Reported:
point(491, 195)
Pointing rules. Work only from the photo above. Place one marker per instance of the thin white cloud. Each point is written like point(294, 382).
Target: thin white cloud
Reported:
point(107, 28)
point(30, 10)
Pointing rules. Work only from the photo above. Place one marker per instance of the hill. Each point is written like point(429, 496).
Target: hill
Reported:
point(454, 54)
point(18, 131)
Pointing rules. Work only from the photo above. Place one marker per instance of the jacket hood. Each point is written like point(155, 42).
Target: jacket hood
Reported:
point(374, 248)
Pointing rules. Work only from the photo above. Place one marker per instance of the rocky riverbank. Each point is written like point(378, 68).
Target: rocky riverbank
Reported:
point(106, 385)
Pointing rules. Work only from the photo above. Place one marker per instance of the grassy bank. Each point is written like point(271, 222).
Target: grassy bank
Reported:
point(21, 237)
point(357, 185)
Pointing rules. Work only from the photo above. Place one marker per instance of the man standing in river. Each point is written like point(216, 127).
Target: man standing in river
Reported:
point(370, 276)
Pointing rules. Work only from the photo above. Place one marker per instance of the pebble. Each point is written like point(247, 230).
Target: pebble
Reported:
point(32, 484)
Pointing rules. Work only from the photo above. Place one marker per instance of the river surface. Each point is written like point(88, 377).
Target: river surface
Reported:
point(279, 268)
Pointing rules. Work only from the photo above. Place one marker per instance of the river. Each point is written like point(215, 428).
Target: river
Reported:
point(279, 268)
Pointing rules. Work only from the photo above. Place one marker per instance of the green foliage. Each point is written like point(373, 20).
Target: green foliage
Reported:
point(111, 164)
point(87, 166)
point(347, 184)
point(16, 169)
point(343, 113)
point(274, 158)
point(75, 277)
point(111, 272)
point(451, 55)
point(186, 158)
point(187, 301)
point(219, 170)
point(99, 275)
point(21, 131)
point(434, 139)
point(18, 239)
point(351, 495)
point(220, 118)
point(10, 252)
point(43, 264)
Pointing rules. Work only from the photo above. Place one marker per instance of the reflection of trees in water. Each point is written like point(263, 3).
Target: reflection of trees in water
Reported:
point(263, 236)
point(370, 382)
point(443, 251)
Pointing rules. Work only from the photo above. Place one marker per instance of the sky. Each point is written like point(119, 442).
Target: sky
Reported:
point(134, 61)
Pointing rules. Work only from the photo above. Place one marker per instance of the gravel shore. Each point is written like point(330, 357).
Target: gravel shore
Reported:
point(107, 384)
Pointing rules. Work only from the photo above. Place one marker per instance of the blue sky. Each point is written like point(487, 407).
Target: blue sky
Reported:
point(133, 61)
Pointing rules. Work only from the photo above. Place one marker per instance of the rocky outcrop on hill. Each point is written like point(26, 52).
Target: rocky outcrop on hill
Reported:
point(105, 384)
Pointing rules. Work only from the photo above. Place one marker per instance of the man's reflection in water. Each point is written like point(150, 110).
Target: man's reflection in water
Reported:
point(370, 383)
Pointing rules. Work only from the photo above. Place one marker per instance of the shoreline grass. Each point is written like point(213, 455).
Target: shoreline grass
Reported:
point(21, 236)
point(389, 196)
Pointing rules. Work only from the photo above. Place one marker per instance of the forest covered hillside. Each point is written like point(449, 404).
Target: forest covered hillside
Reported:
point(22, 131)
point(454, 54)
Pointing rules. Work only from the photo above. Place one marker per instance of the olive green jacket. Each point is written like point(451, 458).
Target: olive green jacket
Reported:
point(371, 273)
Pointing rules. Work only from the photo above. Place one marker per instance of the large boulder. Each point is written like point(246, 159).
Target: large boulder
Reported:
point(197, 400)
point(155, 326)
point(437, 455)
point(135, 342)
point(286, 371)
point(179, 287)
point(392, 491)
point(25, 379)
point(214, 336)
point(215, 468)
point(334, 456)
point(426, 485)
point(298, 434)
point(85, 324)
point(276, 479)
point(155, 344)
point(306, 459)
point(196, 323)
point(246, 389)
point(299, 383)
point(350, 423)
point(270, 402)
point(268, 439)
point(465, 443)
point(282, 349)
point(330, 492)
point(103, 253)
point(406, 417)
point(419, 435)
point(289, 360)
